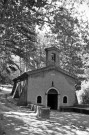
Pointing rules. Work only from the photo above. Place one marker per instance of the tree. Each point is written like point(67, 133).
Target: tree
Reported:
point(18, 20)
point(64, 33)
point(18, 36)
point(83, 93)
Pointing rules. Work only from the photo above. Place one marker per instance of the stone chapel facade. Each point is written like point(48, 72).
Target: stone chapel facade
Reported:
point(50, 86)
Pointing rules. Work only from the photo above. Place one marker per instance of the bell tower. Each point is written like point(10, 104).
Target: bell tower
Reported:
point(52, 56)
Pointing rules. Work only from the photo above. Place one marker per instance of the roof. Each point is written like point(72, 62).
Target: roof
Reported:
point(21, 77)
point(52, 48)
point(28, 73)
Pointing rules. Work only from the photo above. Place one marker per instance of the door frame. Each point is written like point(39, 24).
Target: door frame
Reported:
point(57, 96)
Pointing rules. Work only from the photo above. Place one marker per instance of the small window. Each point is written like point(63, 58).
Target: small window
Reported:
point(64, 99)
point(39, 99)
point(53, 57)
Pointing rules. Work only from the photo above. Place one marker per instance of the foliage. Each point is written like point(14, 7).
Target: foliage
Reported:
point(67, 29)
point(18, 19)
point(18, 36)
point(83, 93)
point(64, 33)
point(85, 97)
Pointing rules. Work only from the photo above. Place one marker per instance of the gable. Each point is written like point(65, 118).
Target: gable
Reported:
point(43, 71)
point(51, 75)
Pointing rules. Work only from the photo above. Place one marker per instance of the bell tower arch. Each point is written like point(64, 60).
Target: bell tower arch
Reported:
point(52, 56)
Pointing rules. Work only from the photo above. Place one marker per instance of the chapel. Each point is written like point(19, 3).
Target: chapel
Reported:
point(50, 86)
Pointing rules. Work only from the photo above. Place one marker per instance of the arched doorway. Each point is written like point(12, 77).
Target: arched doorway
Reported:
point(52, 99)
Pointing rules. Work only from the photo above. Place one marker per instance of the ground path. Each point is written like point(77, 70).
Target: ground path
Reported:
point(16, 120)
point(19, 121)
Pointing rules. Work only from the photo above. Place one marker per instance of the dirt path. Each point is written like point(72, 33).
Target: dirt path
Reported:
point(21, 121)
point(18, 123)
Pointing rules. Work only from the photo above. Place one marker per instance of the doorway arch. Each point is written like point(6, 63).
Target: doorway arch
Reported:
point(52, 99)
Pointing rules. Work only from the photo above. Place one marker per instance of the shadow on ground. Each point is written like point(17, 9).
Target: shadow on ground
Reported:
point(60, 123)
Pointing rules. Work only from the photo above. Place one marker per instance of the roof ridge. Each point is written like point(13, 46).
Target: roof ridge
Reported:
point(25, 74)
point(53, 67)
